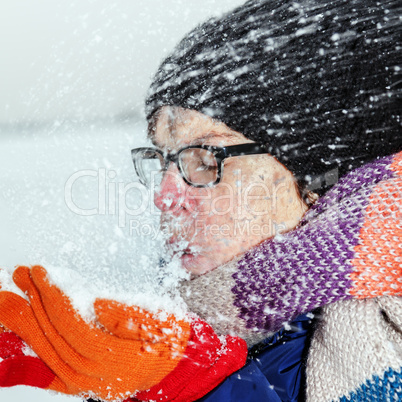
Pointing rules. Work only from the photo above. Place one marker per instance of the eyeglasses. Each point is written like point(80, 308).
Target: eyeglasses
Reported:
point(199, 165)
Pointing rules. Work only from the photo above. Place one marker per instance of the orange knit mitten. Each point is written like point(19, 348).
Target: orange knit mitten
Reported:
point(127, 351)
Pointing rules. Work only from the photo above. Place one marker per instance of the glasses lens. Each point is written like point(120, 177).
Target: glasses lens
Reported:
point(199, 166)
point(149, 166)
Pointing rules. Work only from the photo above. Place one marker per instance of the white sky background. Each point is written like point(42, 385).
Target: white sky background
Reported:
point(87, 61)
point(87, 58)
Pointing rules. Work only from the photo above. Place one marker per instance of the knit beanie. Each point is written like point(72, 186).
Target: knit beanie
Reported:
point(318, 82)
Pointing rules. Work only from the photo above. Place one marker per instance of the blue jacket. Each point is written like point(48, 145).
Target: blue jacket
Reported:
point(274, 371)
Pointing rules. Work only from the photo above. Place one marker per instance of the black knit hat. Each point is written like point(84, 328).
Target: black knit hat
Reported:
point(319, 82)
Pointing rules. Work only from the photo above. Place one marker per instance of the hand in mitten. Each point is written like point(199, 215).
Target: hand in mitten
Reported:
point(206, 361)
point(135, 351)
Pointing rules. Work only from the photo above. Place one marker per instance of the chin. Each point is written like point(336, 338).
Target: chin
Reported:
point(197, 264)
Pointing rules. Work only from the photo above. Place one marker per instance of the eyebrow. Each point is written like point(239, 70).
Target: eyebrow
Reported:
point(213, 134)
point(201, 140)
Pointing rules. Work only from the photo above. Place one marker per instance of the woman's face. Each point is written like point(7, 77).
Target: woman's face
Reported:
point(256, 198)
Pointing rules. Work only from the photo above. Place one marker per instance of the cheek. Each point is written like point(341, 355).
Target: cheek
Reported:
point(257, 200)
point(254, 195)
point(225, 200)
point(212, 202)
point(198, 200)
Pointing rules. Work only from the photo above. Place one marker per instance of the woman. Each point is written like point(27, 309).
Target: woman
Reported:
point(255, 117)
point(316, 84)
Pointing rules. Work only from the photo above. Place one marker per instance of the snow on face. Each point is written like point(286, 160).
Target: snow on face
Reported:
point(255, 199)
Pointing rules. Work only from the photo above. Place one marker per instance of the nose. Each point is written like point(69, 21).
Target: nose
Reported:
point(171, 192)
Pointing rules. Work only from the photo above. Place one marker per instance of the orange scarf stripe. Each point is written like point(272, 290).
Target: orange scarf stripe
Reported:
point(381, 236)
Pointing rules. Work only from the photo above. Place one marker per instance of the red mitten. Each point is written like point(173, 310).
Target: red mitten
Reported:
point(17, 368)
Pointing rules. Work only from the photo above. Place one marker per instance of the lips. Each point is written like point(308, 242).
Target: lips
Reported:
point(177, 245)
point(180, 235)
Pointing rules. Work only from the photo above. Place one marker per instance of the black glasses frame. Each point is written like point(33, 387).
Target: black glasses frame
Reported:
point(220, 153)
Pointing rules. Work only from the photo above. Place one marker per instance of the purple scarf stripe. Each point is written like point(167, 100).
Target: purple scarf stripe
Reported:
point(308, 267)
point(367, 175)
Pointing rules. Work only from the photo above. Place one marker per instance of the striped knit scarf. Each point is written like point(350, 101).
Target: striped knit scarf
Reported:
point(345, 256)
